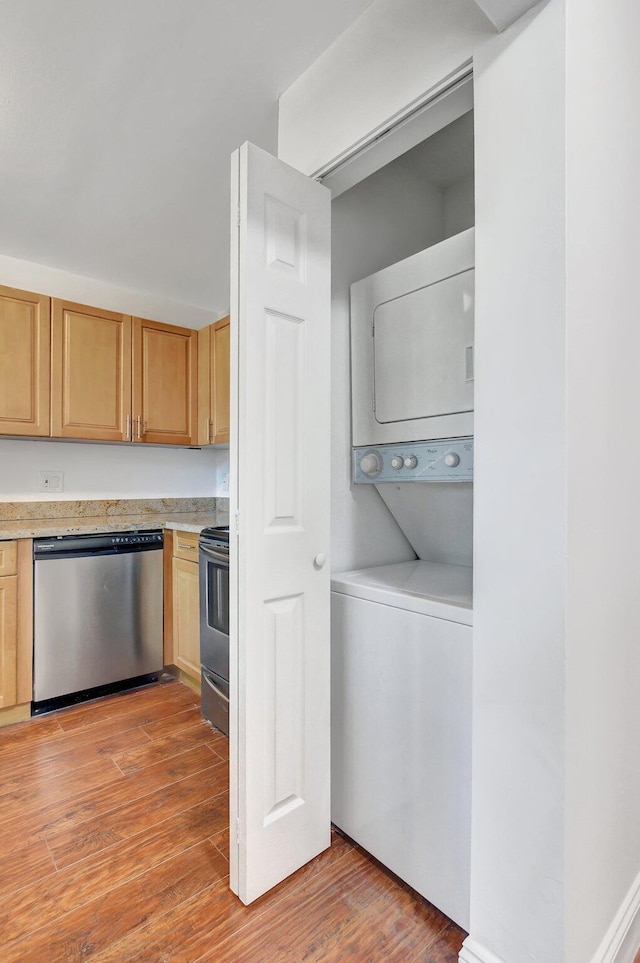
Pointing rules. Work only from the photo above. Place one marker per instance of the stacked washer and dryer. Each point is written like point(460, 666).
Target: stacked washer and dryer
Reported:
point(401, 633)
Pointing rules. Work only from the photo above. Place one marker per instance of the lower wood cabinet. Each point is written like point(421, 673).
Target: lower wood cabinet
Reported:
point(8, 640)
point(16, 629)
point(182, 626)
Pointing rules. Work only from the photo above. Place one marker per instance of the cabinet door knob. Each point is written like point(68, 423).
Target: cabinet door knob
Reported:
point(319, 560)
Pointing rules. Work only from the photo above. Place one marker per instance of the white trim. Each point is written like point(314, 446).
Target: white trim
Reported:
point(407, 115)
point(622, 940)
point(619, 945)
point(234, 523)
point(473, 952)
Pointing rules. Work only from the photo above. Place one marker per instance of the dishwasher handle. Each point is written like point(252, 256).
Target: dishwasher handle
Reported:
point(216, 556)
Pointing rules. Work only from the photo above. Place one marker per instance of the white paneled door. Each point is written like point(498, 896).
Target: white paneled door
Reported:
point(280, 766)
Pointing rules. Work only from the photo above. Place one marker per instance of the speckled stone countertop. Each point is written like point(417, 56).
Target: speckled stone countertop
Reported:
point(48, 519)
point(195, 523)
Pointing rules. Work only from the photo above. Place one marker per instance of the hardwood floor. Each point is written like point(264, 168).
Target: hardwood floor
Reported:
point(115, 848)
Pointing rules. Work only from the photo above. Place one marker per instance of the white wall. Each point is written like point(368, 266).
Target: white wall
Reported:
point(517, 892)
point(109, 471)
point(96, 471)
point(603, 627)
point(29, 276)
point(385, 218)
point(459, 206)
point(394, 52)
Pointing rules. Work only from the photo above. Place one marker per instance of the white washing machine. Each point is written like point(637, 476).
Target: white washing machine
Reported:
point(401, 722)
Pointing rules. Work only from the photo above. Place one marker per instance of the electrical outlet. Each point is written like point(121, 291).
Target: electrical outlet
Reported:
point(225, 482)
point(51, 481)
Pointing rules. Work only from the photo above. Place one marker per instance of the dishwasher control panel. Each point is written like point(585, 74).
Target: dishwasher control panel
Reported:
point(99, 543)
point(138, 539)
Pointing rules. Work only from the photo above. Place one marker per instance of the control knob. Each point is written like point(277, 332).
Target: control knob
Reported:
point(451, 459)
point(397, 462)
point(410, 461)
point(371, 464)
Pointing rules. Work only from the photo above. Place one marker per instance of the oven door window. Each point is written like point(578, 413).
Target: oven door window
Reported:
point(218, 597)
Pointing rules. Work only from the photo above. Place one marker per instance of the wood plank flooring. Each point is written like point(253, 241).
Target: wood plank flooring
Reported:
point(115, 848)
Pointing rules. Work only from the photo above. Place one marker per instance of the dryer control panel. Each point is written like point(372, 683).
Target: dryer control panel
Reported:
point(448, 460)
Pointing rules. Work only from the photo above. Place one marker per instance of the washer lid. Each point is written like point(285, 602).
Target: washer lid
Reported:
point(428, 588)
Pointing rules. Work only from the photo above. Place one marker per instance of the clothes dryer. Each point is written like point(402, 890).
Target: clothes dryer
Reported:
point(412, 342)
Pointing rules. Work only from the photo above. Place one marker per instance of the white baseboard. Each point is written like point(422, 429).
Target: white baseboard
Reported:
point(622, 939)
point(620, 944)
point(473, 952)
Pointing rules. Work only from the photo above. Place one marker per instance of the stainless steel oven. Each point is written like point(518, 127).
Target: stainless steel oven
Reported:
point(214, 625)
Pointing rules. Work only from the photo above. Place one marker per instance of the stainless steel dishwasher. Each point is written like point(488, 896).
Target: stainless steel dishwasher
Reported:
point(97, 614)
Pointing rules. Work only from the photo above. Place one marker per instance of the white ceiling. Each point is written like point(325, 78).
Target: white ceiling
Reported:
point(117, 120)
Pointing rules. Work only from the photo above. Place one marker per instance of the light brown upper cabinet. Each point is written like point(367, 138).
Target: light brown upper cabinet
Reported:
point(213, 383)
point(117, 378)
point(91, 373)
point(165, 373)
point(24, 362)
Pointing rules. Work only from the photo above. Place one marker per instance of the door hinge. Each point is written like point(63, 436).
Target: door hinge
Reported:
point(237, 523)
point(238, 215)
point(237, 831)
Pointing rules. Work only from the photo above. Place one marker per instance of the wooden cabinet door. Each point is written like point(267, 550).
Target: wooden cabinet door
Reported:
point(214, 370)
point(25, 340)
point(164, 383)
point(204, 385)
point(8, 640)
point(219, 388)
point(186, 617)
point(91, 373)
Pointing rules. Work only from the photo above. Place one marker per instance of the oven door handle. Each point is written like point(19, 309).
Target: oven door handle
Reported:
point(218, 691)
point(216, 556)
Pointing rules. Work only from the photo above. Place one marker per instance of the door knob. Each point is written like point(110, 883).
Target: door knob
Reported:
point(319, 560)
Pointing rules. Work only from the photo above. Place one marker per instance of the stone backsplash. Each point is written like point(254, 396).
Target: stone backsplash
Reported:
point(89, 508)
